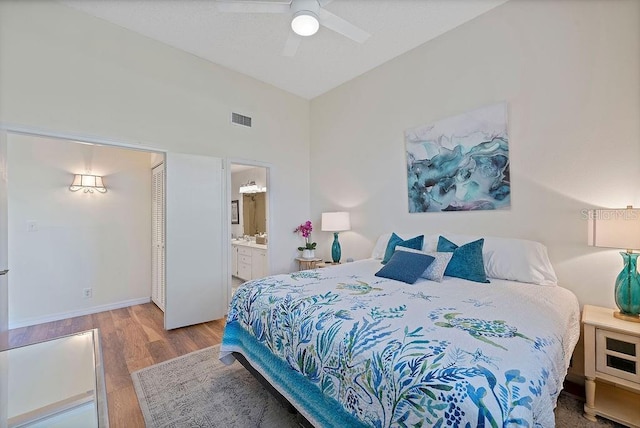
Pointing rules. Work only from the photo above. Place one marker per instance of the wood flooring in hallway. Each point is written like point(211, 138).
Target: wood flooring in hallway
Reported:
point(132, 338)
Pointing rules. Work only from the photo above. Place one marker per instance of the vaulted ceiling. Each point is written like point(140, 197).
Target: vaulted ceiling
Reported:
point(252, 43)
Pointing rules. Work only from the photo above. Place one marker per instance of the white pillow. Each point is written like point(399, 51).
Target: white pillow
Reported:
point(435, 271)
point(381, 246)
point(430, 243)
point(513, 259)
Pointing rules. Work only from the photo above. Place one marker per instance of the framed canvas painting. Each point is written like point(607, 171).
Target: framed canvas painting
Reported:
point(460, 163)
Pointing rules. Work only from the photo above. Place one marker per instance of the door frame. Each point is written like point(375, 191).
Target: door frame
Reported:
point(259, 164)
point(40, 132)
point(8, 128)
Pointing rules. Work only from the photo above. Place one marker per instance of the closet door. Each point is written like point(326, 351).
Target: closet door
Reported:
point(157, 236)
point(196, 265)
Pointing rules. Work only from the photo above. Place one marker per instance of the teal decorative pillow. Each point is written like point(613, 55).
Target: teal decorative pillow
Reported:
point(415, 243)
point(405, 266)
point(466, 262)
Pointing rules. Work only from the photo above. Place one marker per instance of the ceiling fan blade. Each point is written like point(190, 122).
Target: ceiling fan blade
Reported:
point(291, 45)
point(243, 6)
point(339, 25)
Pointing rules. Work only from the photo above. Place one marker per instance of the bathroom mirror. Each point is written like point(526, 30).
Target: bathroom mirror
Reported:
point(254, 214)
point(249, 189)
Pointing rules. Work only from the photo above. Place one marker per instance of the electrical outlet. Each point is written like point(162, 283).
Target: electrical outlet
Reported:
point(87, 293)
point(32, 226)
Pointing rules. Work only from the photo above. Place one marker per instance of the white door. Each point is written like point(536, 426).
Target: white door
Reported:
point(4, 284)
point(4, 245)
point(196, 266)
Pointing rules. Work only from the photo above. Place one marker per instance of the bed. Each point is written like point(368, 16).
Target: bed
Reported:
point(349, 348)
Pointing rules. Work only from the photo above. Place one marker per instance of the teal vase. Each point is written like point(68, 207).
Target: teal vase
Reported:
point(336, 252)
point(627, 291)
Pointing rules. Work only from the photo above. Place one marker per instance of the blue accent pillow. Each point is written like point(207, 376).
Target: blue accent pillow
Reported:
point(415, 243)
point(406, 267)
point(466, 262)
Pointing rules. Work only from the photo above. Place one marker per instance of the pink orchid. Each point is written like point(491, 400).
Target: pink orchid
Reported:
point(305, 230)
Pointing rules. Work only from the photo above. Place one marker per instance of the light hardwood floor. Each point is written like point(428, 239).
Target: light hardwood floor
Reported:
point(132, 338)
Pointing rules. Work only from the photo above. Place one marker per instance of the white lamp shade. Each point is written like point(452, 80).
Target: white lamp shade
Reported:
point(77, 180)
point(305, 23)
point(87, 182)
point(336, 222)
point(614, 228)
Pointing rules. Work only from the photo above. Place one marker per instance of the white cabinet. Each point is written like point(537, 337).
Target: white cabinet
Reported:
point(244, 263)
point(158, 283)
point(248, 262)
point(258, 263)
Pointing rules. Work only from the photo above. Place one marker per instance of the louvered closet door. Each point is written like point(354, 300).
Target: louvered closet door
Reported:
point(157, 236)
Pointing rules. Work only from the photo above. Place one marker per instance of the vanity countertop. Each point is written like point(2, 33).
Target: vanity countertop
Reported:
point(251, 244)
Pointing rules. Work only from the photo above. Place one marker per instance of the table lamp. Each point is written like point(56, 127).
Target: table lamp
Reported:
point(620, 228)
point(335, 222)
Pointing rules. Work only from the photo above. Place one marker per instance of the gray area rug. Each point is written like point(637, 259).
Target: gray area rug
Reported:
point(197, 390)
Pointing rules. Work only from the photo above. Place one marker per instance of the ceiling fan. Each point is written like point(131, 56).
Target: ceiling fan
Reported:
point(306, 18)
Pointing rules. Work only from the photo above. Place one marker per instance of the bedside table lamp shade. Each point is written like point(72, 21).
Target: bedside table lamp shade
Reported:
point(336, 222)
point(620, 228)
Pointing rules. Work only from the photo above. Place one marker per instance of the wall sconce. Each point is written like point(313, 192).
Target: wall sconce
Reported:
point(251, 187)
point(88, 183)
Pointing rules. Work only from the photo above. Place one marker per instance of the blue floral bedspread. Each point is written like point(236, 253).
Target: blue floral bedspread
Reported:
point(348, 348)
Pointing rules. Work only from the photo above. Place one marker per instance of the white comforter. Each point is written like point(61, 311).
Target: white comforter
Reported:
point(347, 347)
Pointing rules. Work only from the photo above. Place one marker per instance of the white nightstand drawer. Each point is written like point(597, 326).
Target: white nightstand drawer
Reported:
point(618, 355)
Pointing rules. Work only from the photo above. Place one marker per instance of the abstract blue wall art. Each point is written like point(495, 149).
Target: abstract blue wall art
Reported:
point(460, 163)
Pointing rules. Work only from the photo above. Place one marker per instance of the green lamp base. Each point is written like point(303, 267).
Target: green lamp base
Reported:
point(336, 252)
point(627, 289)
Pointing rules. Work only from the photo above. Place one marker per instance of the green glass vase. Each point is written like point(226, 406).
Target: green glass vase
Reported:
point(627, 290)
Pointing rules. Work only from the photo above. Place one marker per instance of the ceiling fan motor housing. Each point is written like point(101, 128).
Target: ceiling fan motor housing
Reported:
point(305, 21)
point(305, 5)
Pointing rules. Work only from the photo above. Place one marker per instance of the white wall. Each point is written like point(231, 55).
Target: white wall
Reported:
point(66, 71)
point(259, 175)
point(83, 240)
point(570, 72)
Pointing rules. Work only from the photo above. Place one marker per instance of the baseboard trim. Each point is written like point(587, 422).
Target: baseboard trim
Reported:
point(77, 313)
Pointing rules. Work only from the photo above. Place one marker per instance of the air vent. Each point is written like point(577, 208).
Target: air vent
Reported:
point(240, 119)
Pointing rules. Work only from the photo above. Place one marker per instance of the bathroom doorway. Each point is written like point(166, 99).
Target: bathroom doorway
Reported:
point(249, 202)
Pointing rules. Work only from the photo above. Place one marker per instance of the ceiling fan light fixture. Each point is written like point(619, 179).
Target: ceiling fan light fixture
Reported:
point(305, 23)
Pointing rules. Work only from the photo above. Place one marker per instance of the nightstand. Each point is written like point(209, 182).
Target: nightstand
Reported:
point(611, 366)
point(325, 264)
point(304, 264)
